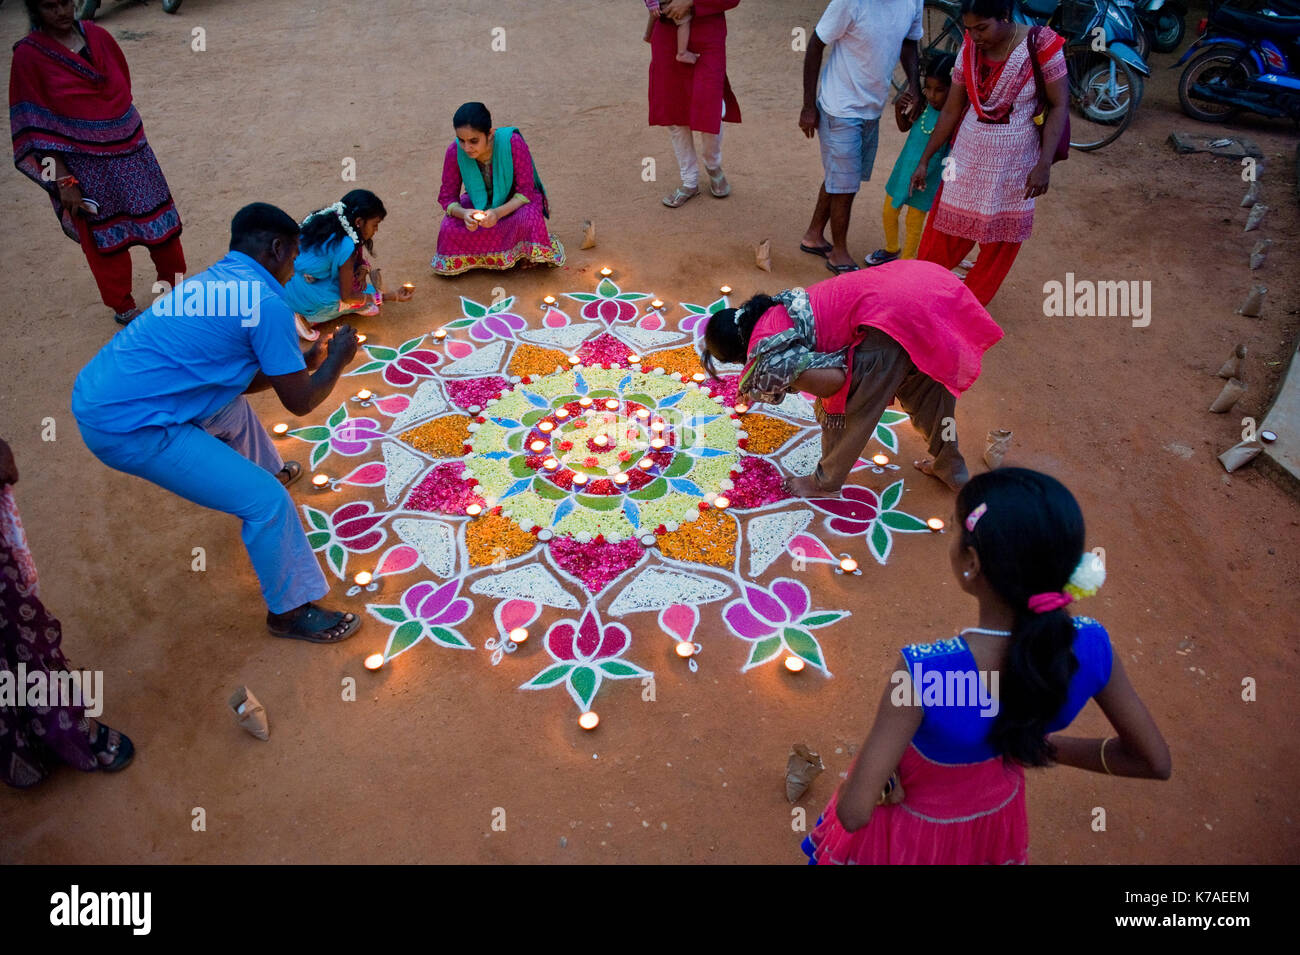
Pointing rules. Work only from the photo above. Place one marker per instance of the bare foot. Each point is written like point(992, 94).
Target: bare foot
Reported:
point(807, 487)
point(926, 466)
point(688, 58)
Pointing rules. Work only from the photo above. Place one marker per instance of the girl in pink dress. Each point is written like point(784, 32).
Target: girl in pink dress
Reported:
point(940, 778)
point(495, 202)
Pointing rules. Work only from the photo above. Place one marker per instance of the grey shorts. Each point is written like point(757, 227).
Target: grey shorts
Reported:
point(848, 151)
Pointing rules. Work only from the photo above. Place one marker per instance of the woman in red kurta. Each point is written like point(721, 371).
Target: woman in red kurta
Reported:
point(693, 97)
point(77, 134)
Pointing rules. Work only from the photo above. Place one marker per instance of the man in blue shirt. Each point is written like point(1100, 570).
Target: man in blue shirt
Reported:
point(164, 400)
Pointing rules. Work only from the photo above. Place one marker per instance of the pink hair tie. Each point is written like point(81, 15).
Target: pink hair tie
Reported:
point(974, 516)
point(1046, 603)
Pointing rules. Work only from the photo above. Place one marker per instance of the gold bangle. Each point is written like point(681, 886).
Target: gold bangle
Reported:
point(1103, 754)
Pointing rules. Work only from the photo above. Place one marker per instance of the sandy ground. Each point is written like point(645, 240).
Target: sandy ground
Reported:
point(1199, 561)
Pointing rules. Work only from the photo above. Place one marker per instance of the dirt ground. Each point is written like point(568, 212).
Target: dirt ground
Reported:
point(1199, 561)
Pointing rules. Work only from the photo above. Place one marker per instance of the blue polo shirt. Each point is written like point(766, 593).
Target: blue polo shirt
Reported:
point(192, 352)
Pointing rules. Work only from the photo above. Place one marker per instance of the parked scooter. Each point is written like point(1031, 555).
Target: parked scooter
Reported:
point(1110, 31)
point(1246, 58)
point(1164, 22)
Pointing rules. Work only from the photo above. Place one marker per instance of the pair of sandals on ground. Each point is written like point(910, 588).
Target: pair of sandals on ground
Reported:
point(879, 257)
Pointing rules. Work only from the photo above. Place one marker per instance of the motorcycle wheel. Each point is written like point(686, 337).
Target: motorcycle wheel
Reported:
point(1104, 95)
point(1167, 35)
point(1142, 41)
point(86, 9)
point(171, 6)
point(1213, 67)
point(942, 33)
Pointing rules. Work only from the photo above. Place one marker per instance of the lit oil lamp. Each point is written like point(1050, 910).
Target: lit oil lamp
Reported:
point(374, 661)
point(880, 459)
point(600, 441)
point(589, 720)
point(361, 338)
point(279, 430)
point(585, 401)
point(642, 413)
point(741, 408)
point(474, 510)
point(620, 478)
point(634, 359)
point(698, 376)
point(657, 304)
point(685, 649)
point(935, 524)
point(549, 301)
point(848, 566)
point(580, 479)
point(611, 405)
point(562, 413)
point(538, 445)
point(658, 426)
point(546, 427)
point(440, 334)
point(519, 634)
point(320, 480)
point(658, 444)
point(362, 578)
point(725, 290)
point(794, 664)
point(606, 271)
point(364, 394)
point(574, 360)
point(550, 464)
point(409, 286)
point(645, 464)
point(721, 502)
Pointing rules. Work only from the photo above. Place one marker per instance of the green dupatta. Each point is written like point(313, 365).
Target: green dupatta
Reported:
point(503, 173)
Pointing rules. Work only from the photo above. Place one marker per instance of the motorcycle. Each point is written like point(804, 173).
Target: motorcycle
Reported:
point(1164, 22)
point(1247, 58)
point(1105, 69)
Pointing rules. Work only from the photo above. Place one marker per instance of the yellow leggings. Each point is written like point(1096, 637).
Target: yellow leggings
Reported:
point(915, 222)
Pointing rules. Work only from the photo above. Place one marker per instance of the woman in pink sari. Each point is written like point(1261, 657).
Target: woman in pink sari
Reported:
point(940, 778)
point(494, 199)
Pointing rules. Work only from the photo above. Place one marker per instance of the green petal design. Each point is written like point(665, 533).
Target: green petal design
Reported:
point(379, 351)
point(520, 469)
point(606, 289)
point(823, 618)
point(600, 502)
point(448, 638)
point(880, 541)
point(584, 681)
point(891, 417)
point(319, 453)
point(581, 296)
point(548, 677)
point(390, 612)
point(546, 489)
point(461, 323)
point(899, 521)
point(680, 465)
point(313, 434)
point(763, 650)
point(652, 491)
point(891, 496)
point(631, 296)
point(804, 645)
point(887, 438)
point(621, 669)
point(407, 346)
point(318, 539)
point(339, 416)
point(501, 306)
point(472, 308)
point(317, 518)
point(338, 559)
point(403, 638)
point(366, 368)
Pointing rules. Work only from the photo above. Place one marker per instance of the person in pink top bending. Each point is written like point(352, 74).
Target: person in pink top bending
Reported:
point(908, 331)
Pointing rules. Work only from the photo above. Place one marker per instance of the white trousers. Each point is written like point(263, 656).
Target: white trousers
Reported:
point(687, 160)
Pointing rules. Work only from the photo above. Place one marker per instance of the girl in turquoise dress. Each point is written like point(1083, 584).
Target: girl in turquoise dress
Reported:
point(331, 275)
point(938, 80)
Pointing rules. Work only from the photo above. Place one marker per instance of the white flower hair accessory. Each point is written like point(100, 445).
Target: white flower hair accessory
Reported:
point(337, 209)
point(1088, 576)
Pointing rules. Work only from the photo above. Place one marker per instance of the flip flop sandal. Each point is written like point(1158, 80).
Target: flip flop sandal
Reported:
point(122, 750)
point(127, 317)
point(841, 269)
point(718, 184)
point(290, 473)
point(679, 198)
point(880, 257)
point(305, 331)
point(295, 632)
point(822, 250)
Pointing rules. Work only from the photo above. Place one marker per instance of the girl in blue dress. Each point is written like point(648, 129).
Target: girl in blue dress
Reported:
point(940, 778)
point(332, 276)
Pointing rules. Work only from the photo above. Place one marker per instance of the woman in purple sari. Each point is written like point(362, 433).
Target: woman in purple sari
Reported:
point(38, 732)
point(495, 203)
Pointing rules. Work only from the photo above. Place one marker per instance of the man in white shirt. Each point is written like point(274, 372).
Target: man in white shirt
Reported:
point(866, 38)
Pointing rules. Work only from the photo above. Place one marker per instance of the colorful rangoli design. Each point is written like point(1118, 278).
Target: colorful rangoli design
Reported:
point(559, 466)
